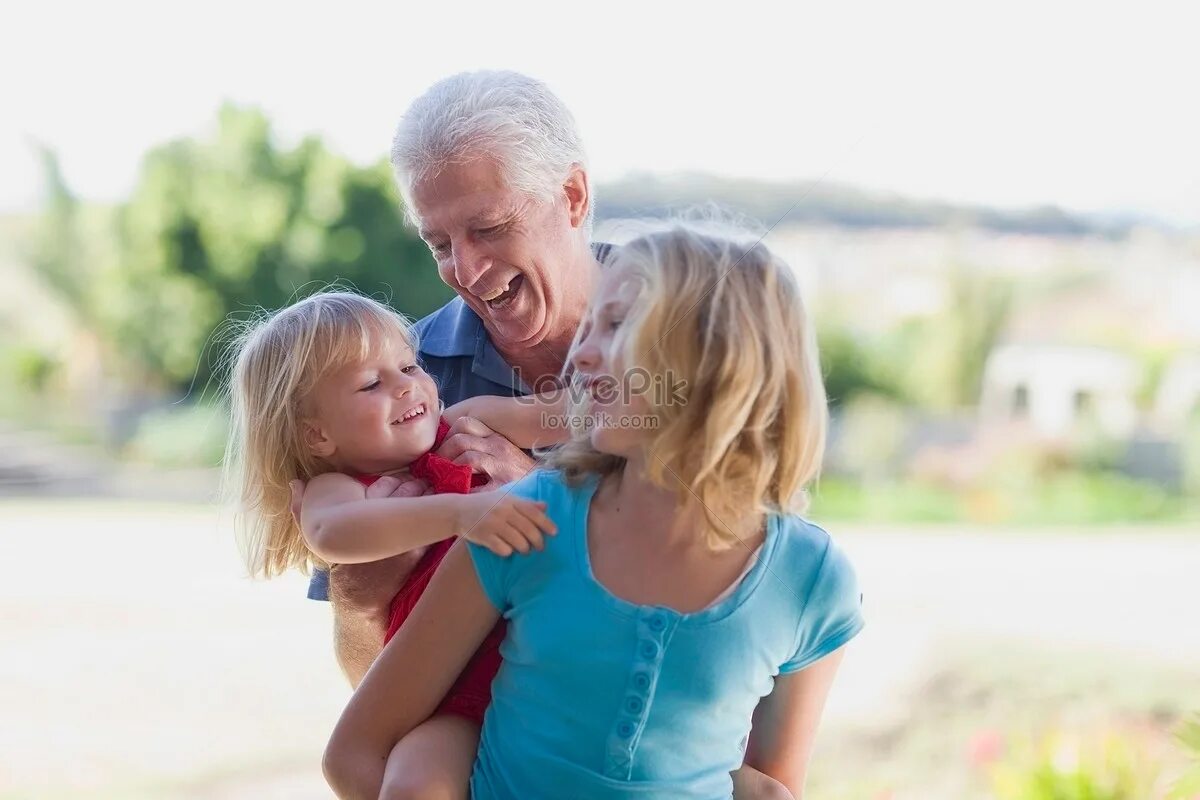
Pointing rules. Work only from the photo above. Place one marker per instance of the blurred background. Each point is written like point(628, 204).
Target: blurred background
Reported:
point(994, 210)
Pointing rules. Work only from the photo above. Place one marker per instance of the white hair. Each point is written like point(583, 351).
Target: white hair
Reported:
point(509, 117)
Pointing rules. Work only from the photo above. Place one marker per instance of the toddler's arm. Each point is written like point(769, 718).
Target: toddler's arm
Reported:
point(410, 677)
point(536, 420)
point(343, 526)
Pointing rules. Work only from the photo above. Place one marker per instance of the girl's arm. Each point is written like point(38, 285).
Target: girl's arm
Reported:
point(785, 722)
point(342, 526)
point(410, 677)
point(536, 420)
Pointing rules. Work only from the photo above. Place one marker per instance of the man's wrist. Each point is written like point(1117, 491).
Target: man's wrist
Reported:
point(351, 602)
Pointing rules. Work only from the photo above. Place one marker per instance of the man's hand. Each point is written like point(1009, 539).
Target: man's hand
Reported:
point(472, 443)
point(361, 594)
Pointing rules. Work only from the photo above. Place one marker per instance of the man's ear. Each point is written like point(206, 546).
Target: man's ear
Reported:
point(315, 439)
point(578, 192)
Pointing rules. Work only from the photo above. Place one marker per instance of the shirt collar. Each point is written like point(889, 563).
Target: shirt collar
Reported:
point(455, 331)
point(450, 331)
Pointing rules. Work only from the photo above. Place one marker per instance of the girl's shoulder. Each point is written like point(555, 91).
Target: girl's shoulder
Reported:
point(552, 486)
point(811, 558)
point(801, 538)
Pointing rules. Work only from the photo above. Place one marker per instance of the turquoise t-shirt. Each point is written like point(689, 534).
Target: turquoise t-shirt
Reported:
point(601, 698)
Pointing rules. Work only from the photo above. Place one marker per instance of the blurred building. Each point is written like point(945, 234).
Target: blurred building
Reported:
point(1056, 387)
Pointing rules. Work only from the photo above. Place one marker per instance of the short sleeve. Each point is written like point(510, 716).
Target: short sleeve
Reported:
point(832, 612)
point(318, 585)
point(495, 572)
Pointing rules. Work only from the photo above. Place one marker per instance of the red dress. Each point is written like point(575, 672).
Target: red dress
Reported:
point(472, 691)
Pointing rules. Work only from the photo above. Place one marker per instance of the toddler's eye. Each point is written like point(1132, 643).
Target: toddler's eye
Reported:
point(410, 369)
point(613, 324)
point(373, 384)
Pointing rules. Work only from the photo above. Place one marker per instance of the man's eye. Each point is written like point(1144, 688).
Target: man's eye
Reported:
point(492, 230)
point(441, 248)
point(613, 324)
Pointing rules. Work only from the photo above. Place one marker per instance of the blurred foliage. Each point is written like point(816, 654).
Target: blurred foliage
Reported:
point(1191, 454)
point(855, 366)
point(192, 435)
point(1062, 767)
point(874, 430)
point(950, 349)
point(221, 225)
point(1187, 786)
point(933, 362)
point(1065, 497)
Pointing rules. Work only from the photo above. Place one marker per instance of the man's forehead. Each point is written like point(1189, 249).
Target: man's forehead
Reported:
point(461, 194)
point(470, 212)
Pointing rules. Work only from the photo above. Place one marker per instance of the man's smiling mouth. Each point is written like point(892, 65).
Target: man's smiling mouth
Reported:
point(501, 296)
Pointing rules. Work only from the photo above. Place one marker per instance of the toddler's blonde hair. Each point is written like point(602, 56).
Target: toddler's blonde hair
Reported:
point(278, 359)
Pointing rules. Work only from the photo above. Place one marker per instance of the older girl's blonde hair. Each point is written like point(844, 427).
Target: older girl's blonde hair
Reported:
point(721, 318)
point(278, 359)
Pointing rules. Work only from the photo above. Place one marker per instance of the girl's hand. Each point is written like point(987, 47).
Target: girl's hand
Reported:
point(504, 523)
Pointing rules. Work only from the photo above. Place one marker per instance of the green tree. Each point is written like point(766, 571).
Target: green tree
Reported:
point(951, 349)
point(230, 222)
point(854, 366)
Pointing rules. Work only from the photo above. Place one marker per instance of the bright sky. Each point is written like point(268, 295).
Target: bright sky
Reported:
point(1012, 103)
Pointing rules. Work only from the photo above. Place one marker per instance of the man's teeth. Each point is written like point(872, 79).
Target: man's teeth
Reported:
point(492, 295)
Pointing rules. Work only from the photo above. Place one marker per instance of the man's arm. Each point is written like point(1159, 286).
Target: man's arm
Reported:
point(536, 420)
point(361, 596)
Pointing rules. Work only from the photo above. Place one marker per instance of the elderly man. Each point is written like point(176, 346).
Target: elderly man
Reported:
point(493, 174)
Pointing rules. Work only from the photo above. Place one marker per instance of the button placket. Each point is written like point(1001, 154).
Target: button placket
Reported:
point(654, 627)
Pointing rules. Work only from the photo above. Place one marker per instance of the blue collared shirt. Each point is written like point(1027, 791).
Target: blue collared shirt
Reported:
point(456, 350)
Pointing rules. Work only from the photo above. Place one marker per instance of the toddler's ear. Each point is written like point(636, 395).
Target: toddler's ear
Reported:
point(315, 439)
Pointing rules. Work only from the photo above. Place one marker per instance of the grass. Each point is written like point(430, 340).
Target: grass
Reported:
point(982, 706)
point(1066, 498)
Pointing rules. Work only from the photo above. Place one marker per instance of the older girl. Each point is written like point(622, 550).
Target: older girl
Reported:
point(684, 621)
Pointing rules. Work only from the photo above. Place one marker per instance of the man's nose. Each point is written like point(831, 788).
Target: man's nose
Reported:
point(470, 263)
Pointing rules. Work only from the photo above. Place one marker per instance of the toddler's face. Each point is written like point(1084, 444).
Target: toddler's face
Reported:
point(375, 415)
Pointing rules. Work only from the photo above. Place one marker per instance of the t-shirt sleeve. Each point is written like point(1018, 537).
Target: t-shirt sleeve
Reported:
point(832, 612)
point(318, 585)
point(496, 573)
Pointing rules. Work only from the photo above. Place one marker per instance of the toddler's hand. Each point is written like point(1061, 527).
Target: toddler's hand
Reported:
point(504, 523)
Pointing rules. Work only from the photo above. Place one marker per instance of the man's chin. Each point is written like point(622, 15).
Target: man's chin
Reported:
point(510, 331)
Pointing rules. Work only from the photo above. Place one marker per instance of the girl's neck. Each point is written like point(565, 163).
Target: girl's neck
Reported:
point(347, 468)
point(661, 512)
point(658, 510)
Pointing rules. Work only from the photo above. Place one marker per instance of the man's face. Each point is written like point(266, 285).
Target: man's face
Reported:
point(508, 255)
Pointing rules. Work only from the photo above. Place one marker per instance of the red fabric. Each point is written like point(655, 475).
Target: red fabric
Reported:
point(472, 692)
point(442, 474)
